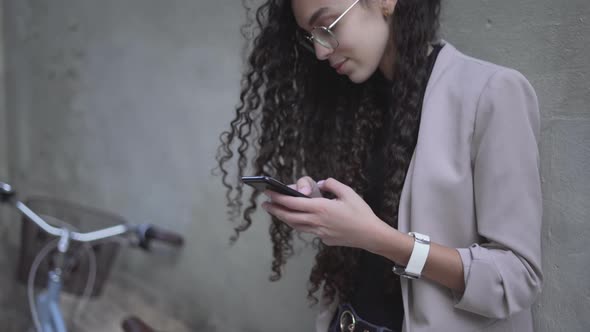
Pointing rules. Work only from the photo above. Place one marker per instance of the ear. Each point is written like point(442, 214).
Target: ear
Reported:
point(388, 7)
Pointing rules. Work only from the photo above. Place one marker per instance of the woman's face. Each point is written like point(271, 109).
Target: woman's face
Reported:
point(363, 34)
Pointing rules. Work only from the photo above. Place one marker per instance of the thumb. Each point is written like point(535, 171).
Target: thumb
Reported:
point(335, 187)
point(306, 185)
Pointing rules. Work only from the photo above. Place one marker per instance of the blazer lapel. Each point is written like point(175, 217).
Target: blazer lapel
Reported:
point(443, 61)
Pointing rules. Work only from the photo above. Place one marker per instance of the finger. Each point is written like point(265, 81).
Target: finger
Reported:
point(305, 185)
point(335, 187)
point(299, 204)
point(292, 218)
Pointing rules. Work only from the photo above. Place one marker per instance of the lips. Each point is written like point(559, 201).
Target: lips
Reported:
point(339, 65)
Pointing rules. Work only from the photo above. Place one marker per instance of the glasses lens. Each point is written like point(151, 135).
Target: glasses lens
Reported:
point(324, 37)
point(307, 43)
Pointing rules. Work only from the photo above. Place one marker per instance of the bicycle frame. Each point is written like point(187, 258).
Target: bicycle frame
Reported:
point(49, 317)
point(48, 307)
point(48, 302)
point(47, 314)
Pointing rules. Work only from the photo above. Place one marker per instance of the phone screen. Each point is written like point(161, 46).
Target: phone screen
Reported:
point(267, 183)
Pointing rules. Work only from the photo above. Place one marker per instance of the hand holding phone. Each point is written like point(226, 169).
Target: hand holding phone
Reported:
point(263, 183)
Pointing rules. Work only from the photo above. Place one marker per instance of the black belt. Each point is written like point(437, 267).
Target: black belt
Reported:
point(346, 320)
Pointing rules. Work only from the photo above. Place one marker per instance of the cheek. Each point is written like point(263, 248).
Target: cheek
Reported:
point(367, 45)
point(378, 34)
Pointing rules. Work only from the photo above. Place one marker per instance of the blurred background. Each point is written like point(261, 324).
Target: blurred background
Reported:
point(118, 105)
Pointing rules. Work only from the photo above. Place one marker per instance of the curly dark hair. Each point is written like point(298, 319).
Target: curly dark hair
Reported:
point(297, 117)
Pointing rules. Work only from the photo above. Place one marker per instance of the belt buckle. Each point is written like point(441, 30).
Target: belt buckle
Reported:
point(347, 325)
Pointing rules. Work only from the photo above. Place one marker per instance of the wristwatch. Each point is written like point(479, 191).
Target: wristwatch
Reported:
point(417, 259)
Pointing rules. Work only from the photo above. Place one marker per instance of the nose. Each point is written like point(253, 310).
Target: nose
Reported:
point(322, 52)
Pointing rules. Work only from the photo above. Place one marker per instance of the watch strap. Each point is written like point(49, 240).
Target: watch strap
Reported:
point(417, 259)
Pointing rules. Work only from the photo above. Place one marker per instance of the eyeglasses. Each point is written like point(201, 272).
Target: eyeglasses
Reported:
point(324, 35)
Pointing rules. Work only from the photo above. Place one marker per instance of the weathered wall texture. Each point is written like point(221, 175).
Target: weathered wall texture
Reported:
point(3, 116)
point(119, 104)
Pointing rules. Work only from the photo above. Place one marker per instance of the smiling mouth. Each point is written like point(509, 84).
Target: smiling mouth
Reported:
point(338, 66)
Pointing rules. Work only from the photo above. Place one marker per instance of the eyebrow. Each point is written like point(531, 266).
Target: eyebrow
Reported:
point(317, 15)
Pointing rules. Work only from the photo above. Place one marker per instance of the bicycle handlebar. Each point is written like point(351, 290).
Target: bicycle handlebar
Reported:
point(6, 192)
point(100, 234)
point(134, 324)
point(168, 237)
point(144, 231)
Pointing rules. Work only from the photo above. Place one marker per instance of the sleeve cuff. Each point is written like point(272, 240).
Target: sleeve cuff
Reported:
point(466, 258)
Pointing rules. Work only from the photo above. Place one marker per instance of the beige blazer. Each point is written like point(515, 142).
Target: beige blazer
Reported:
point(474, 184)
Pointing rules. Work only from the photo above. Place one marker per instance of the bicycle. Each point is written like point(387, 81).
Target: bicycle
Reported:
point(45, 308)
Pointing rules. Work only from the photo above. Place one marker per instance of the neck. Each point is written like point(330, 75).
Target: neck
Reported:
point(388, 59)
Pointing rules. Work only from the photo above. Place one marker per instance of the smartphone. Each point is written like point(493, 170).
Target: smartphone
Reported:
point(263, 183)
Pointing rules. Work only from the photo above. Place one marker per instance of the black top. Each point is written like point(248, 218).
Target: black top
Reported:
point(371, 300)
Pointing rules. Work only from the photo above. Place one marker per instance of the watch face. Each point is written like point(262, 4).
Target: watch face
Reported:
point(421, 237)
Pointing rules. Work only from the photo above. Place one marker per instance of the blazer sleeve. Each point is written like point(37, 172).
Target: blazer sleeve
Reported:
point(503, 272)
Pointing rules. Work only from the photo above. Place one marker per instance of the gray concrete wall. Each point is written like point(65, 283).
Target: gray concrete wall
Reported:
point(3, 126)
point(12, 301)
point(118, 104)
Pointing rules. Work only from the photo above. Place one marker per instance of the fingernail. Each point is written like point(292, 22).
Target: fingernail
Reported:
point(321, 183)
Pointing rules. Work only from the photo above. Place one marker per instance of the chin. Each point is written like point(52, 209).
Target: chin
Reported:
point(358, 78)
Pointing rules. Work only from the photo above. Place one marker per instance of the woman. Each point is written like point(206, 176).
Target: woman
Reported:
point(429, 159)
